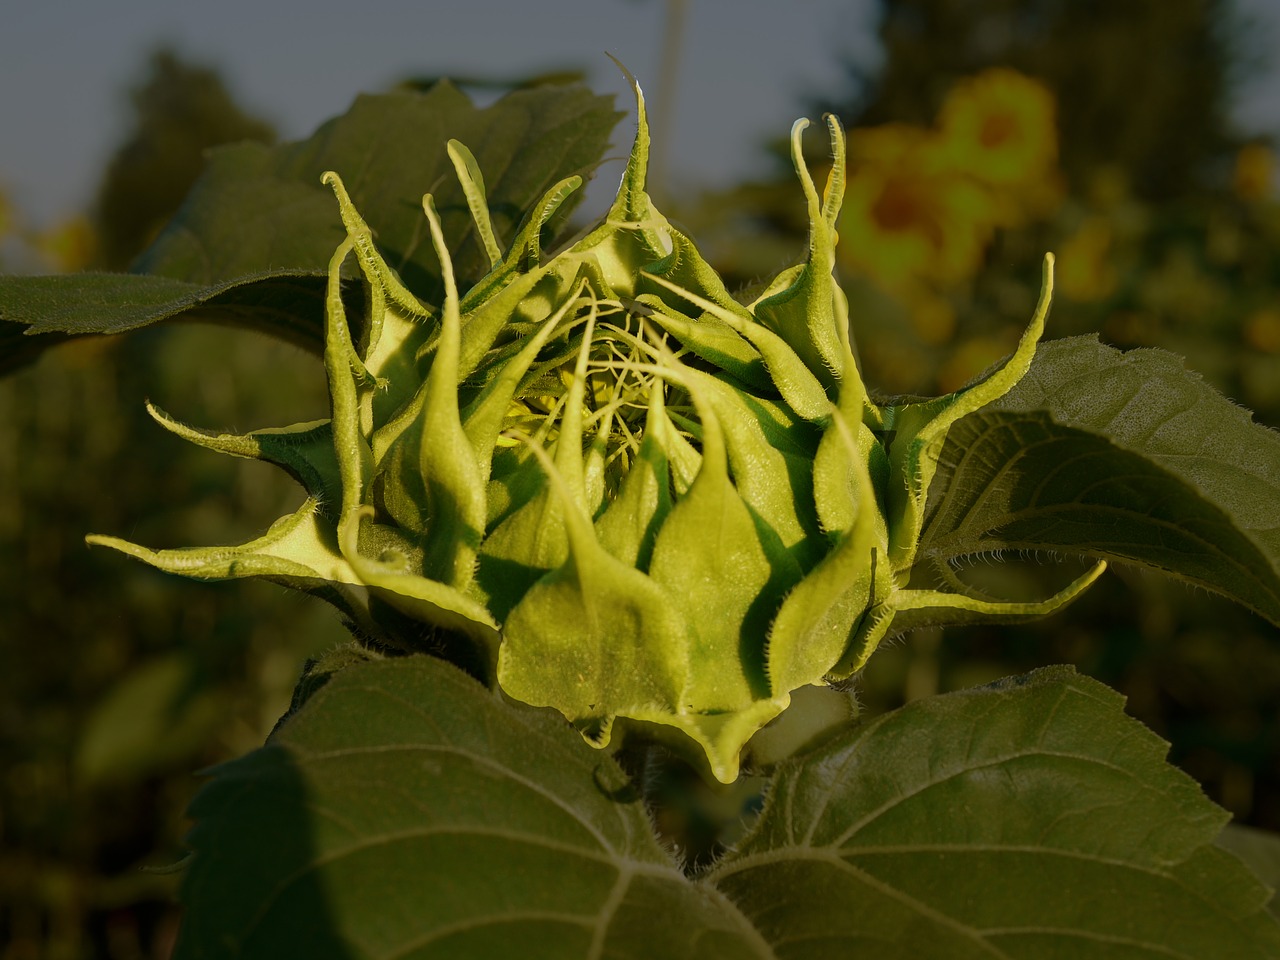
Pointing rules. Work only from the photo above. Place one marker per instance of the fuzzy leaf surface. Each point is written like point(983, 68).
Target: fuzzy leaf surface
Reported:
point(1127, 456)
point(405, 811)
point(1029, 819)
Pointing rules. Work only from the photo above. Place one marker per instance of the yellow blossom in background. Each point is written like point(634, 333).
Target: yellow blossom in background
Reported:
point(973, 358)
point(1262, 330)
point(905, 216)
point(933, 318)
point(1255, 170)
point(1001, 128)
point(1083, 268)
point(1108, 188)
point(70, 246)
point(1180, 288)
point(923, 204)
point(6, 216)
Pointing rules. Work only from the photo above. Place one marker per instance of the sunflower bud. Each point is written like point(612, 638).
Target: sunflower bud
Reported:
point(642, 500)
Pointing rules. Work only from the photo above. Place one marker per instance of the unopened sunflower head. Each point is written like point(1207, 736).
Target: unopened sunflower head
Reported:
point(640, 499)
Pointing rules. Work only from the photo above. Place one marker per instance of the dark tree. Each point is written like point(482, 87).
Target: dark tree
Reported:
point(181, 111)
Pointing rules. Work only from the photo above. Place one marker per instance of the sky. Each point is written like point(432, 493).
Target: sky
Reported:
point(741, 78)
point(743, 70)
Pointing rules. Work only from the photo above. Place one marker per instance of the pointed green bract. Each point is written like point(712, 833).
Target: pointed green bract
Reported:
point(647, 505)
point(709, 558)
point(472, 182)
point(594, 638)
point(303, 450)
point(805, 313)
point(922, 429)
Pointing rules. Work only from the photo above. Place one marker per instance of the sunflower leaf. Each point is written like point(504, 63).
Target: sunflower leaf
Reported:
point(1027, 819)
point(1126, 456)
point(406, 811)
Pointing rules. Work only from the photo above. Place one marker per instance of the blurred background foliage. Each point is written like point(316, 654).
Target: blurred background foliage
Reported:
point(989, 132)
point(119, 685)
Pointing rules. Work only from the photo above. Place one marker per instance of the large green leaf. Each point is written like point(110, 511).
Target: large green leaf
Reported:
point(288, 306)
point(1031, 819)
point(259, 208)
point(1127, 456)
point(406, 811)
point(252, 242)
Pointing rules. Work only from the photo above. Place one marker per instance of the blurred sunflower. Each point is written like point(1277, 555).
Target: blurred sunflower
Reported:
point(1000, 127)
point(70, 246)
point(970, 360)
point(933, 317)
point(1254, 172)
point(1084, 271)
point(1262, 330)
point(906, 216)
point(6, 215)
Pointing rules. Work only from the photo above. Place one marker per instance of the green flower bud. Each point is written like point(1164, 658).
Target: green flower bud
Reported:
point(642, 500)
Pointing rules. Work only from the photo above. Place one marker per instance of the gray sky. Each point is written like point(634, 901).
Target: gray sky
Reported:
point(745, 66)
point(65, 65)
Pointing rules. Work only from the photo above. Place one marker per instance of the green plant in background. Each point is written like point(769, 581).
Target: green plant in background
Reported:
point(596, 481)
point(132, 686)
